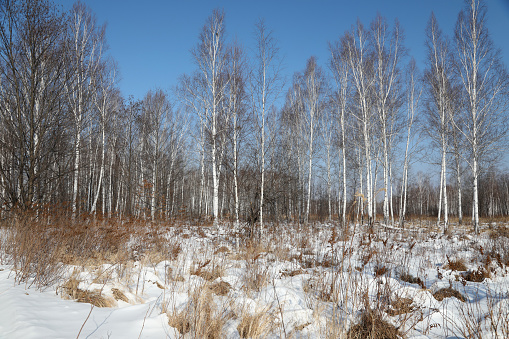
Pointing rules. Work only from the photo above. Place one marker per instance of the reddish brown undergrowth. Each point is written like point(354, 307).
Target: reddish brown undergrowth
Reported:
point(41, 244)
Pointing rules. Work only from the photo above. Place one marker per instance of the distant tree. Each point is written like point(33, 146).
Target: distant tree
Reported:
point(457, 143)
point(177, 128)
point(328, 127)
point(291, 124)
point(131, 112)
point(388, 49)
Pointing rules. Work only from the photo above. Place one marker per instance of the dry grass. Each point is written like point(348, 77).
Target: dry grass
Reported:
point(255, 276)
point(221, 288)
point(209, 273)
point(95, 298)
point(84, 242)
point(380, 270)
point(456, 264)
point(119, 295)
point(372, 326)
point(448, 292)
point(257, 325)
point(202, 316)
point(180, 321)
point(477, 275)
point(292, 273)
point(222, 249)
point(498, 247)
point(407, 277)
point(400, 306)
point(498, 232)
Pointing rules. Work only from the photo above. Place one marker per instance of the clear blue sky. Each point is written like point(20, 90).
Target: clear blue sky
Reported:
point(151, 39)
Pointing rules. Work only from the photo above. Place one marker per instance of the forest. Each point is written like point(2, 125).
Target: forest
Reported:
point(235, 140)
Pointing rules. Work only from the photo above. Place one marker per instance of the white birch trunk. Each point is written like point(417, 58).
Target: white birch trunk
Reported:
point(101, 171)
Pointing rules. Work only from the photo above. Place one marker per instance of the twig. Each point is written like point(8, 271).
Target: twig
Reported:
point(145, 317)
point(279, 306)
point(83, 325)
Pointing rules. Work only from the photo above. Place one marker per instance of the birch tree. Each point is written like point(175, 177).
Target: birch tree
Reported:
point(413, 95)
point(237, 102)
point(341, 72)
point(457, 148)
point(484, 85)
point(292, 122)
point(32, 78)
point(107, 101)
point(360, 60)
point(314, 86)
point(328, 128)
point(438, 79)
point(388, 51)
point(204, 92)
point(156, 112)
point(266, 86)
point(84, 53)
point(177, 127)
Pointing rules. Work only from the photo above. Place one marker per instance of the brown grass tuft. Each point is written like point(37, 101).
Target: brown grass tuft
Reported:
point(478, 275)
point(210, 273)
point(222, 249)
point(400, 306)
point(448, 292)
point(180, 322)
point(407, 277)
point(220, 288)
point(95, 298)
point(456, 265)
point(258, 325)
point(119, 295)
point(70, 287)
point(292, 273)
point(202, 316)
point(380, 270)
point(498, 232)
point(72, 291)
point(372, 326)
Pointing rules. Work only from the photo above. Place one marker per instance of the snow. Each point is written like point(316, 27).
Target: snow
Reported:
point(27, 313)
point(293, 294)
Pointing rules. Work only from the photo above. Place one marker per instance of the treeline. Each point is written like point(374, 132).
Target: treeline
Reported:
point(342, 145)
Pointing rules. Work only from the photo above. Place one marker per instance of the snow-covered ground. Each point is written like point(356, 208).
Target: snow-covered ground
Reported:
point(299, 282)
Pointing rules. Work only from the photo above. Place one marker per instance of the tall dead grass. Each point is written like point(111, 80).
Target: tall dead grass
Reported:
point(39, 246)
point(201, 317)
